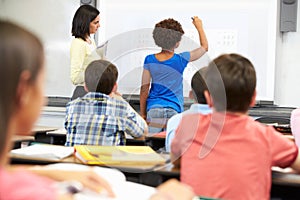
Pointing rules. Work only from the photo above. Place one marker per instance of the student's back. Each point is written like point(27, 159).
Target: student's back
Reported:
point(198, 86)
point(227, 154)
point(238, 165)
point(97, 118)
point(164, 71)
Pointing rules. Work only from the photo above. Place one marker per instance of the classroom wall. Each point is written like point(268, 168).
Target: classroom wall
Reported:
point(51, 20)
point(287, 73)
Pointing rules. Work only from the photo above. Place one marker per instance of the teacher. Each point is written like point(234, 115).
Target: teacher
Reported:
point(82, 52)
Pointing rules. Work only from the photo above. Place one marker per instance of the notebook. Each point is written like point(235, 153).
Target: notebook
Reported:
point(118, 155)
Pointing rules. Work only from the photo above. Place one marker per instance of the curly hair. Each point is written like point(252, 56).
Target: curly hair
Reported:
point(167, 33)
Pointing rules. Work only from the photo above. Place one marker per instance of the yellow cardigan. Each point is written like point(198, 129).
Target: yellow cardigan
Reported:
point(81, 53)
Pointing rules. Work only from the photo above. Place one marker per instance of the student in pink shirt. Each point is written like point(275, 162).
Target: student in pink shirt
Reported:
point(227, 154)
point(22, 75)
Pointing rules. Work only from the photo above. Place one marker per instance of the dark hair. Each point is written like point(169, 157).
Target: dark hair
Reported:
point(84, 15)
point(199, 86)
point(20, 50)
point(167, 33)
point(101, 76)
point(231, 80)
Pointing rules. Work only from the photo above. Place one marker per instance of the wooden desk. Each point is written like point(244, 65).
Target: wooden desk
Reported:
point(58, 137)
point(43, 129)
point(55, 136)
point(19, 139)
point(284, 184)
point(17, 159)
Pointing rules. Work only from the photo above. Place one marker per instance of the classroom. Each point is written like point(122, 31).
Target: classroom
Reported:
point(266, 32)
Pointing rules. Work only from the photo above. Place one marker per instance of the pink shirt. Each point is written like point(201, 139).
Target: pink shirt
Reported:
point(295, 125)
point(21, 185)
point(232, 161)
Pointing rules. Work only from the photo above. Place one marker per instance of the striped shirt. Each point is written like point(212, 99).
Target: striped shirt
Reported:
point(97, 119)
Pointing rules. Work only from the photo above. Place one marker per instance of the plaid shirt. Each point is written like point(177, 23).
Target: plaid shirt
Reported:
point(97, 119)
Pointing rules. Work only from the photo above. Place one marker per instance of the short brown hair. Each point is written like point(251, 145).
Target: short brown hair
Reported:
point(198, 85)
point(167, 33)
point(231, 81)
point(101, 76)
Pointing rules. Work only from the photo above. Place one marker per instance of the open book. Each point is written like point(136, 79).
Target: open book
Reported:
point(118, 155)
point(123, 189)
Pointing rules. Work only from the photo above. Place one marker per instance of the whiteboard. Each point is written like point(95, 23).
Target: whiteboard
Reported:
point(247, 27)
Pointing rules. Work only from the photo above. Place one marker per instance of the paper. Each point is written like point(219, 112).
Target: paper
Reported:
point(122, 188)
point(44, 151)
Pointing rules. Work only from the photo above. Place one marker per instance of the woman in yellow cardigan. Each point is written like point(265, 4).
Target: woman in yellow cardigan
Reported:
point(85, 22)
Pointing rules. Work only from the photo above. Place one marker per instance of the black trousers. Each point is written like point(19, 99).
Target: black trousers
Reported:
point(78, 92)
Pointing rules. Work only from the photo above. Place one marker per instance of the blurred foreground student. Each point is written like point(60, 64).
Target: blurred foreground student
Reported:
point(22, 77)
point(97, 118)
point(164, 71)
point(227, 154)
point(198, 86)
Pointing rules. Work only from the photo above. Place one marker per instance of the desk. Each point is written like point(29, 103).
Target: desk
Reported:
point(156, 141)
point(19, 139)
point(285, 185)
point(58, 136)
point(51, 136)
point(132, 173)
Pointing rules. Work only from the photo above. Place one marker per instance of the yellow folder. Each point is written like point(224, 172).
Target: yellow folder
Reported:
point(117, 155)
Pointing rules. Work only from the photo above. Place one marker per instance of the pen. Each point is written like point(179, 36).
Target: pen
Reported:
point(74, 187)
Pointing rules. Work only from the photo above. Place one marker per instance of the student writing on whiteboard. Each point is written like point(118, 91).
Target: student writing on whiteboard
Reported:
point(85, 22)
point(164, 72)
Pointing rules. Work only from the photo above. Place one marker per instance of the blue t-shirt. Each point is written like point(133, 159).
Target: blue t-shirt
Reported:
point(166, 85)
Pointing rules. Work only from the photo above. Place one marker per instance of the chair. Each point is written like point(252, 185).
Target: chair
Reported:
point(274, 120)
point(281, 124)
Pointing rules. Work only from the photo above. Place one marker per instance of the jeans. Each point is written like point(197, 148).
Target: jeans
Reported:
point(157, 119)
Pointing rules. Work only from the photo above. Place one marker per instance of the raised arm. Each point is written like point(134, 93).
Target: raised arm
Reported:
point(198, 52)
point(144, 92)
